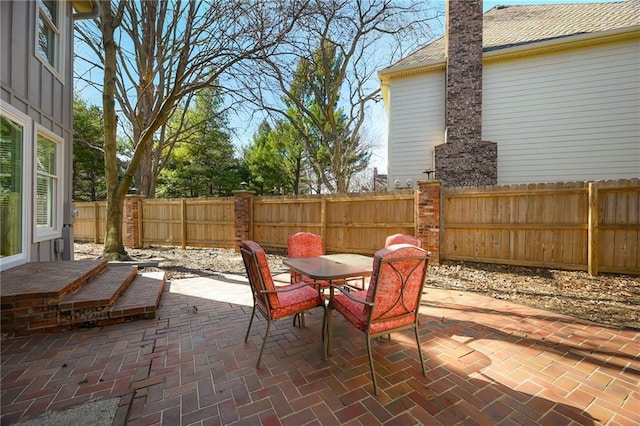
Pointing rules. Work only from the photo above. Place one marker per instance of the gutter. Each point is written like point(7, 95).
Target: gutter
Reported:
point(94, 13)
point(499, 53)
point(563, 43)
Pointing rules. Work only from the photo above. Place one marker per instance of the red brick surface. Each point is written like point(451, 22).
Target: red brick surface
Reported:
point(487, 361)
point(57, 296)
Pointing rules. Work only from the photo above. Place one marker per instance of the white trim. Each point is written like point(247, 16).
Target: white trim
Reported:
point(24, 120)
point(57, 69)
point(555, 45)
point(56, 230)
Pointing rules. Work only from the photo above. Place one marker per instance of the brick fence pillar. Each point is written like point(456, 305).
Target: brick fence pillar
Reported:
point(428, 217)
point(132, 237)
point(242, 208)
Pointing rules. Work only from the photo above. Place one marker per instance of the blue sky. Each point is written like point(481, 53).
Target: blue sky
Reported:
point(244, 132)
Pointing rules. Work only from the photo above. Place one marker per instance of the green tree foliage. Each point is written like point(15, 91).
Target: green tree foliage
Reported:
point(314, 146)
point(203, 164)
point(275, 160)
point(333, 148)
point(88, 156)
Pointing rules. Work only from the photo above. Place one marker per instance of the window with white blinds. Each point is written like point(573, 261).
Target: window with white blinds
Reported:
point(47, 185)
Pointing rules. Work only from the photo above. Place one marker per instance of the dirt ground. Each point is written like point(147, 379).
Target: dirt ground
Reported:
point(612, 300)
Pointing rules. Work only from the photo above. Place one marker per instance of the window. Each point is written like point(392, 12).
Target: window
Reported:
point(14, 191)
point(48, 190)
point(49, 43)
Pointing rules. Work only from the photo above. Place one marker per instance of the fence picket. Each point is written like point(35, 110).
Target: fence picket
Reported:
point(540, 225)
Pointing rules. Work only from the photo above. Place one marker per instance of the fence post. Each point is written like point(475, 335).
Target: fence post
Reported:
point(96, 222)
point(183, 223)
point(140, 221)
point(132, 203)
point(592, 253)
point(428, 217)
point(323, 220)
point(242, 207)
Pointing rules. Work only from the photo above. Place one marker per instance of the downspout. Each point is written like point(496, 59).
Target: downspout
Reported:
point(62, 252)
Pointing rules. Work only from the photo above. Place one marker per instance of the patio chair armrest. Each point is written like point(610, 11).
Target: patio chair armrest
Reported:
point(347, 292)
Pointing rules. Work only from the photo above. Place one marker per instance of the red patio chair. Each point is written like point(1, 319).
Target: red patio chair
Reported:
point(392, 300)
point(306, 244)
point(303, 244)
point(271, 301)
point(403, 238)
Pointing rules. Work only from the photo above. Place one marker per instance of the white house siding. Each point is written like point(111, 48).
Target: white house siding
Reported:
point(565, 117)
point(416, 126)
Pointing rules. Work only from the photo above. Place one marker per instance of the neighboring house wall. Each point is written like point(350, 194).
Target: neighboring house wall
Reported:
point(560, 98)
point(565, 117)
point(416, 126)
point(39, 97)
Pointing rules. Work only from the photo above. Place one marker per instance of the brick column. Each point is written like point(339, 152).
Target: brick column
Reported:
point(242, 208)
point(132, 237)
point(428, 217)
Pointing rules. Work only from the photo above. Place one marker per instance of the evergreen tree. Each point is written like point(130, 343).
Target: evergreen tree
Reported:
point(88, 156)
point(275, 160)
point(333, 148)
point(203, 164)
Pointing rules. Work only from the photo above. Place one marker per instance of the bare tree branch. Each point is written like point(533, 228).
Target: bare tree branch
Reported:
point(155, 55)
point(351, 33)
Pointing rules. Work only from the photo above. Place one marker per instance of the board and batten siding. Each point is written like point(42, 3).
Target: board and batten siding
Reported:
point(573, 116)
point(45, 96)
point(28, 84)
point(416, 126)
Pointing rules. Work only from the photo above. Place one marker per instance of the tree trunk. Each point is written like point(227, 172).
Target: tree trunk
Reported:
point(113, 245)
point(143, 175)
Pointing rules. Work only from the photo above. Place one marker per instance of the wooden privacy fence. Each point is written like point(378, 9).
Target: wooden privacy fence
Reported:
point(195, 222)
point(205, 222)
point(91, 221)
point(593, 226)
point(358, 223)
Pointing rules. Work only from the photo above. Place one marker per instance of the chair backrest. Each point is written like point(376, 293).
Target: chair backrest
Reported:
point(402, 238)
point(396, 282)
point(258, 272)
point(304, 244)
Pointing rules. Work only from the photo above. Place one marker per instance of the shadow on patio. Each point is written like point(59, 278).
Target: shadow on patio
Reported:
point(488, 361)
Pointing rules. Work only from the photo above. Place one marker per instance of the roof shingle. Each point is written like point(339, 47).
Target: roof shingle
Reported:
point(507, 26)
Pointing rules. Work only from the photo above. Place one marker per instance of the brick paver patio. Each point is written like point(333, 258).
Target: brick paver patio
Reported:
point(488, 362)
